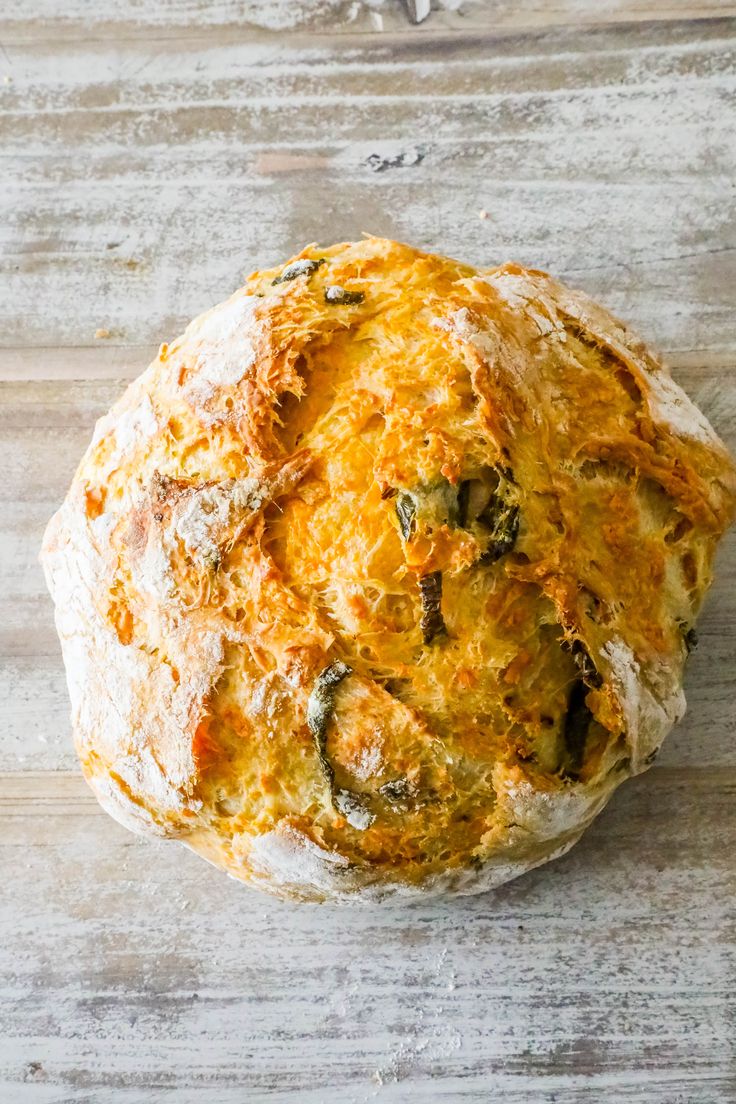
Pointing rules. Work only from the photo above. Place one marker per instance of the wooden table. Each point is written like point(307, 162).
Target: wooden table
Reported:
point(152, 154)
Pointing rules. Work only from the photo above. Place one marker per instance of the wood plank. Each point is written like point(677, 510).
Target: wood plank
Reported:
point(142, 180)
point(107, 360)
point(46, 18)
point(136, 972)
point(102, 360)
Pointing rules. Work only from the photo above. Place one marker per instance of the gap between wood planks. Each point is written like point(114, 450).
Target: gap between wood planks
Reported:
point(152, 23)
point(107, 361)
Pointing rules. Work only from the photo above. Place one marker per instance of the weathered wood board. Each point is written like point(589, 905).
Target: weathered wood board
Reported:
point(152, 154)
point(133, 972)
point(49, 19)
point(143, 182)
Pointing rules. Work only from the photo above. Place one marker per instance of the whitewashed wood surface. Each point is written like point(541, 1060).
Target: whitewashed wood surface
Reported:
point(152, 153)
point(83, 17)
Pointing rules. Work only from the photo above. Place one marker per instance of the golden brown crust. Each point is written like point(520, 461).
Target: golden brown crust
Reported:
point(382, 577)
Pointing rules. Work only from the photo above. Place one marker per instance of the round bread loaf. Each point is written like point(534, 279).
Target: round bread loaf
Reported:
point(383, 576)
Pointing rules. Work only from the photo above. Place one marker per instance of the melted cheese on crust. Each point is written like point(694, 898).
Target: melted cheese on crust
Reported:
point(272, 496)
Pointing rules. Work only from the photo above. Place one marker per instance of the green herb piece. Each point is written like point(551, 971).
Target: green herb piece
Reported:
point(432, 622)
point(577, 724)
point(463, 501)
point(502, 518)
point(337, 294)
point(320, 708)
point(443, 504)
point(484, 505)
point(304, 267)
point(397, 792)
point(406, 511)
point(481, 499)
point(430, 505)
point(689, 636)
point(585, 664)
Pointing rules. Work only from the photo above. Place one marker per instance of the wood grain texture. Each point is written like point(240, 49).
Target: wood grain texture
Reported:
point(154, 978)
point(151, 155)
point(47, 18)
point(143, 183)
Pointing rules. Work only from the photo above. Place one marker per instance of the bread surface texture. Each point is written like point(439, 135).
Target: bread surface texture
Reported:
point(383, 576)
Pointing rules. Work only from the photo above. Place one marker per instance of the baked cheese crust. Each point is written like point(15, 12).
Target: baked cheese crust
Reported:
point(383, 576)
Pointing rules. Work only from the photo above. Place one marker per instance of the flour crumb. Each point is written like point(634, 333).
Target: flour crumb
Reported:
point(668, 403)
point(353, 809)
point(368, 763)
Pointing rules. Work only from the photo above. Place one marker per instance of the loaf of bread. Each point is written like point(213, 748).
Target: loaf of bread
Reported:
point(383, 576)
